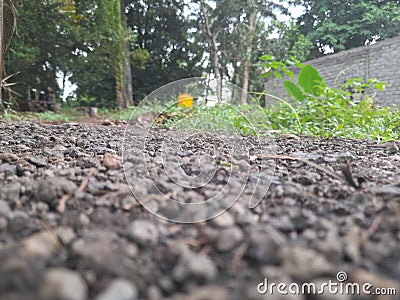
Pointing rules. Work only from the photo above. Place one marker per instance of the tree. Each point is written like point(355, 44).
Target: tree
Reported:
point(33, 51)
point(288, 42)
point(164, 49)
point(101, 53)
point(127, 92)
point(1, 50)
point(212, 40)
point(84, 39)
point(7, 28)
point(340, 24)
point(240, 30)
point(255, 15)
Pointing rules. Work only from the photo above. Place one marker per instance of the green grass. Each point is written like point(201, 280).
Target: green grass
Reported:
point(47, 116)
point(314, 118)
point(360, 121)
point(327, 116)
point(115, 114)
point(50, 116)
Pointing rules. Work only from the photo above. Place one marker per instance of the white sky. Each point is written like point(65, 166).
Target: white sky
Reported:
point(295, 11)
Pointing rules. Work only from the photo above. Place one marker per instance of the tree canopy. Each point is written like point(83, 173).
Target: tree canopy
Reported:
point(340, 24)
point(164, 49)
point(116, 51)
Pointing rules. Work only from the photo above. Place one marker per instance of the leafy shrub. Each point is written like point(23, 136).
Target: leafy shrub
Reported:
point(317, 109)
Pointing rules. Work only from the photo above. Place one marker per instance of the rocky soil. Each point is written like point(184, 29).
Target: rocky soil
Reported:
point(70, 227)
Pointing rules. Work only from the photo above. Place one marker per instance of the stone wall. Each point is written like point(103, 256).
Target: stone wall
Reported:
point(381, 61)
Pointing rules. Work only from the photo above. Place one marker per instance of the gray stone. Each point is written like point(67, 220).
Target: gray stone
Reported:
point(264, 244)
point(8, 169)
point(42, 244)
point(38, 161)
point(8, 157)
point(229, 238)
point(153, 293)
point(52, 189)
point(65, 234)
point(10, 192)
point(101, 150)
point(54, 153)
point(42, 207)
point(3, 223)
point(119, 289)
point(194, 266)
point(5, 209)
point(131, 250)
point(305, 263)
point(209, 292)
point(63, 284)
point(224, 220)
point(19, 214)
point(352, 244)
point(143, 232)
point(84, 219)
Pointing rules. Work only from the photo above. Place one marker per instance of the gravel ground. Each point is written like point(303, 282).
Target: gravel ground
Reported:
point(71, 229)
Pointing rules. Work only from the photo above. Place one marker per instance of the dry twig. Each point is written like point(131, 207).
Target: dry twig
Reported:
point(63, 200)
point(348, 175)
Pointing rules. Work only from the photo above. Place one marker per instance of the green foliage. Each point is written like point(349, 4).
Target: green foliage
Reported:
point(50, 116)
point(97, 57)
point(47, 116)
point(10, 115)
point(341, 25)
point(140, 58)
point(311, 82)
point(78, 38)
point(37, 48)
point(323, 111)
point(164, 49)
point(289, 42)
point(221, 117)
point(278, 68)
point(293, 90)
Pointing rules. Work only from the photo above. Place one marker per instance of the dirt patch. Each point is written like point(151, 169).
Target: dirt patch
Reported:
point(70, 227)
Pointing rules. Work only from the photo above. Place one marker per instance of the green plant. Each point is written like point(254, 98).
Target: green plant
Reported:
point(317, 109)
point(278, 68)
point(11, 115)
point(50, 116)
point(220, 117)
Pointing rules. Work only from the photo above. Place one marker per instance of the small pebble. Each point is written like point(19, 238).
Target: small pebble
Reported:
point(228, 239)
point(142, 232)
point(63, 284)
point(196, 266)
point(119, 289)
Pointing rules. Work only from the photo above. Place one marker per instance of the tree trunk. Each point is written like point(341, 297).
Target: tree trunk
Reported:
point(127, 75)
point(1, 49)
point(119, 86)
point(127, 92)
point(119, 63)
point(247, 59)
point(213, 52)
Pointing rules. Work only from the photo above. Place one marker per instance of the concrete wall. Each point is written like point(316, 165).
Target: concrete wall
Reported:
point(381, 61)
